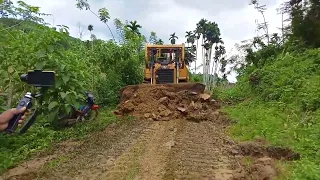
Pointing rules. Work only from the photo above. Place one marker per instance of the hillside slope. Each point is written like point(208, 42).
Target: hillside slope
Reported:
point(281, 103)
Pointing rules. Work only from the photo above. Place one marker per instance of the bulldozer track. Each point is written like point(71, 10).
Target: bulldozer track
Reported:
point(199, 153)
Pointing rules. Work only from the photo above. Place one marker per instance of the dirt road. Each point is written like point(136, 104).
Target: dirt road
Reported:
point(175, 149)
point(153, 147)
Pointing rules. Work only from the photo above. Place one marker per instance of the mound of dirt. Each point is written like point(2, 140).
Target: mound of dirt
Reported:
point(260, 169)
point(163, 103)
point(258, 150)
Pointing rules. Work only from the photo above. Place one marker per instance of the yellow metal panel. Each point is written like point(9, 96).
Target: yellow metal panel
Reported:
point(183, 73)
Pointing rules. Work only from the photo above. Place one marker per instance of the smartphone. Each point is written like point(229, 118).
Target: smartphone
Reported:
point(40, 78)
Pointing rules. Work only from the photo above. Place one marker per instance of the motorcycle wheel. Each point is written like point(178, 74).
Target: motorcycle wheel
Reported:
point(92, 115)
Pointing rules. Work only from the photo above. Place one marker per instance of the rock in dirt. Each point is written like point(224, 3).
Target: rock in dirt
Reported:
point(170, 144)
point(147, 115)
point(173, 129)
point(205, 96)
point(181, 109)
point(164, 100)
point(110, 161)
point(194, 93)
point(165, 113)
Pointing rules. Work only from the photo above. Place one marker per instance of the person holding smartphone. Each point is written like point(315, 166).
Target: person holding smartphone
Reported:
point(8, 114)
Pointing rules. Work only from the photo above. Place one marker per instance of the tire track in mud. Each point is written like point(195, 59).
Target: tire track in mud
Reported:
point(175, 149)
point(200, 152)
point(93, 158)
point(148, 157)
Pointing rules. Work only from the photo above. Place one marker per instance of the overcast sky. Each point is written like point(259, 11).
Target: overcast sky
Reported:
point(236, 19)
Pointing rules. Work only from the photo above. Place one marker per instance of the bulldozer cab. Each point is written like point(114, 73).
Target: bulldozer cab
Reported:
point(165, 55)
point(165, 64)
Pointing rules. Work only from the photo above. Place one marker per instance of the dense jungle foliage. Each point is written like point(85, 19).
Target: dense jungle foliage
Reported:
point(101, 67)
point(277, 96)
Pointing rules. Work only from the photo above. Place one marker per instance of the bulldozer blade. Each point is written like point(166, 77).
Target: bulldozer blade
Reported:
point(128, 91)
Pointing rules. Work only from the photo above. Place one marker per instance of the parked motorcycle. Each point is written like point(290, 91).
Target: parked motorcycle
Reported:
point(89, 111)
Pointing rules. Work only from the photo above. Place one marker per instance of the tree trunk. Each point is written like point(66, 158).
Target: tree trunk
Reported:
point(266, 28)
point(203, 62)
point(195, 62)
point(209, 74)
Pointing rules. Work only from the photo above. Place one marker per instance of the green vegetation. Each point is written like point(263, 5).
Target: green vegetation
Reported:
point(102, 67)
point(277, 96)
point(40, 137)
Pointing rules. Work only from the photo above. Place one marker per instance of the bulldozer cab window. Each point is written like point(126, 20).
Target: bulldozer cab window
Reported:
point(163, 60)
point(164, 55)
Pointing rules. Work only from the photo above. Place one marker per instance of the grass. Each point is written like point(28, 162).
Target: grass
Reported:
point(56, 162)
point(284, 127)
point(40, 137)
point(283, 107)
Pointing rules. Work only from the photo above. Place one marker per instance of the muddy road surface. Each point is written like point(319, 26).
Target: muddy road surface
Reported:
point(176, 135)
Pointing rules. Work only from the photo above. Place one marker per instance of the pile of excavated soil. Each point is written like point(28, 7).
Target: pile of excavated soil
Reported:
point(163, 103)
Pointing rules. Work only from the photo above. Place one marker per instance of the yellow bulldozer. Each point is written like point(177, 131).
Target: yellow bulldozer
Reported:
point(165, 66)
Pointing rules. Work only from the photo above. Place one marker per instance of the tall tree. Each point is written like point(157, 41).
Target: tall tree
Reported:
point(120, 29)
point(188, 36)
point(90, 28)
point(210, 33)
point(173, 38)
point(81, 30)
point(197, 35)
point(305, 21)
point(190, 49)
point(190, 55)
point(134, 27)
point(153, 38)
point(160, 42)
point(201, 26)
point(103, 13)
point(92, 36)
point(261, 9)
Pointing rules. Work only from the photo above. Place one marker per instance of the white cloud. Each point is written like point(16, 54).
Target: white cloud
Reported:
point(236, 19)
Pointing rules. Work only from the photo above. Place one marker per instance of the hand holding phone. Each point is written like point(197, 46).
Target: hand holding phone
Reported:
point(6, 116)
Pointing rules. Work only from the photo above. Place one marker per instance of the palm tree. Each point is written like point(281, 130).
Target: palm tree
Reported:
point(173, 38)
point(190, 55)
point(201, 26)
point(160, 42)
point(210, 36)
point(134, 27)
point(190, 50)
point(188, 35)
point(197, 35)
point(90, 28)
